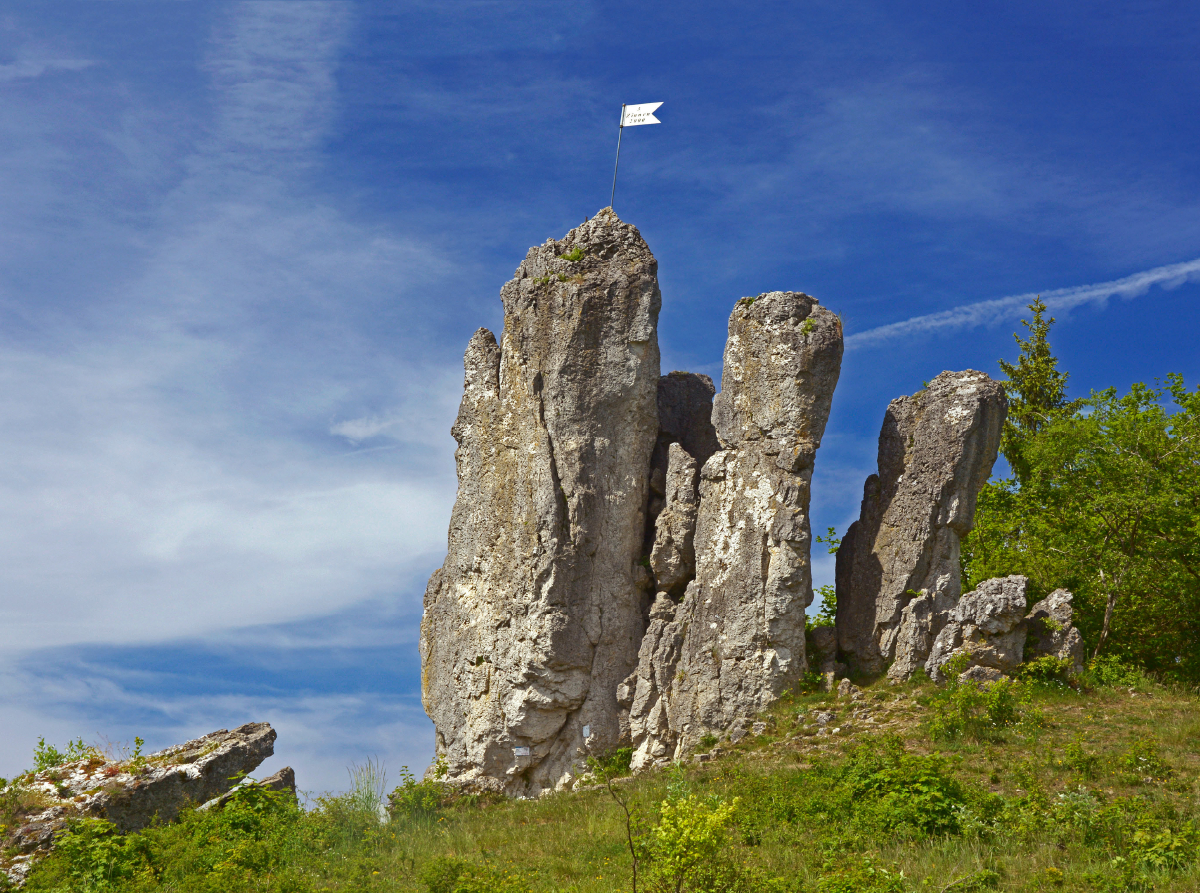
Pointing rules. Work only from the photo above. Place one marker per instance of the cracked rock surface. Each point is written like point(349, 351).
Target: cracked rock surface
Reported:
point(988, 624)
point(898, 573)
point(537, 614)
point(1051, 632)
point(737, 638)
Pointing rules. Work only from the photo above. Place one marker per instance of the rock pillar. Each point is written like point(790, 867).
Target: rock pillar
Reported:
point(737, 638)
point(898, 571)
point(537, 614)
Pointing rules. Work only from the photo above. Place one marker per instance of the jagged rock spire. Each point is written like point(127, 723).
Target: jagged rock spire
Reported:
point(537, 614)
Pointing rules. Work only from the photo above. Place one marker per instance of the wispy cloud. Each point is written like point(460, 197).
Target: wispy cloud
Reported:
point(25, 69)
point(998, 310)
point(167, 469)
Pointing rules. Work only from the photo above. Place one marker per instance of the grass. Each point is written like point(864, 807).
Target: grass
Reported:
point(1095, 791)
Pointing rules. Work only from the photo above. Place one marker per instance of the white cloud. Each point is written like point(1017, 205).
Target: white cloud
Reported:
point(166, 469)
point(985, 313)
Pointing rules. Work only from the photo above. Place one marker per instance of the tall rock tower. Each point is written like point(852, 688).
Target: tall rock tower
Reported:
point(538, 612)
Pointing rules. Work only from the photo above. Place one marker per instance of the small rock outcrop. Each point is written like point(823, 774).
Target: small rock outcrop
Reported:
point(281, 782)
point(537, 615)
point(737, 638)
point(898, 574)
point(988, 625)
point(130, 793)
point(1051, 632)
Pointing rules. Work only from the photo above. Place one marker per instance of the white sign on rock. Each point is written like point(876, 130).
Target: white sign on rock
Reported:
point(633, 115)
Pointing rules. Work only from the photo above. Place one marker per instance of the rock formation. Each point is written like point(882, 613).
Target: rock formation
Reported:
point(898, 572)
point(737, 639)
point(131, 793)
point(987, 624)
point(1051, 633)
point(538, 612)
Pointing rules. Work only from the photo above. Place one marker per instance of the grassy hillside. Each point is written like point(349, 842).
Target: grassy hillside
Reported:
point(1030, 788)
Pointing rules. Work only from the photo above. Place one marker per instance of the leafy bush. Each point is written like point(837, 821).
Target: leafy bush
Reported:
point(97, 857)
point(684, 850)
point(1142, 760)
point(1082, 762)
point(978, 712)
point(449, 874)
point(252, 842)
point(1047, 670)
point(1164, 849)
point(863, 877)
point(47, 756)
point(1108, 671)
point(613, 765)
point(415, 799)
point(892, 789)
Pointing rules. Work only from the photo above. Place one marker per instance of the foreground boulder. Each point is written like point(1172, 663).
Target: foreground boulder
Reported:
point(130, 793)
point(737, 639)
point(537, 614)
point(898, 574)
point(1052, 634)
point(987, 625)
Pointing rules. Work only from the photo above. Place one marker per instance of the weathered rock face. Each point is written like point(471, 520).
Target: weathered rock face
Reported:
point(132, 793)
point(988, 624)
point(1051, 632)
point(538, 612)
point(737, 639)
point(898, 572)
point(673, 558)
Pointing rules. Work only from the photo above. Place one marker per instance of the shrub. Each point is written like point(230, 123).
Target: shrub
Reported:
point(1082, 762)
point(96, 857)
point(864, 877)
point(1047, 670)
point(47, 756)
point(892, 789)
point(415, 799)
point(1108, 671)
point(684, 851)
point(1164, 849)
point(964, 709)
point(613, 765)
point(449, 874)
point(1142, 760)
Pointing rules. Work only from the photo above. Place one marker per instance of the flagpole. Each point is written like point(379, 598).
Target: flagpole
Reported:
point(620, 131)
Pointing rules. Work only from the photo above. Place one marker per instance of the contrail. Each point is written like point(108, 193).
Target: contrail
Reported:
point(1001, 309)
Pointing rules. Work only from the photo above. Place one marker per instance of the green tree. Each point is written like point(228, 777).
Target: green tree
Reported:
point(1037, 390)
point(1109, 508)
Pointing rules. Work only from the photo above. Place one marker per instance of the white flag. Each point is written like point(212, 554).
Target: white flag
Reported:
point(633, 115)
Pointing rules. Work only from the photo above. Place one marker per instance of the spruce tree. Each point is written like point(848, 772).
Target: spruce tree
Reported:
point(1037, 391)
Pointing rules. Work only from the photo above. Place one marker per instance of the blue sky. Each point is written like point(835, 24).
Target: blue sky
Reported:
point(242, 247)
